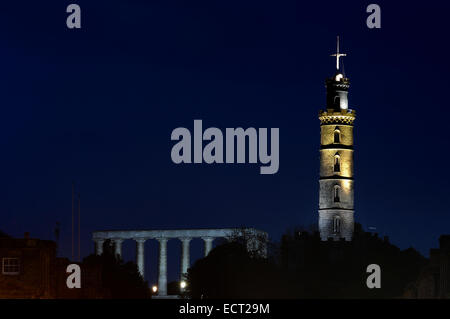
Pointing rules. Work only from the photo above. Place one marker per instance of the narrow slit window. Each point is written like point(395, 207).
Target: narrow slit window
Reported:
point(337, 136)
point(337, 163)
point(336, 194)
point(337, 225)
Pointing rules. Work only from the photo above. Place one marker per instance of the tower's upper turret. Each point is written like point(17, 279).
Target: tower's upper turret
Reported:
point(337, 92)
point(337, 86)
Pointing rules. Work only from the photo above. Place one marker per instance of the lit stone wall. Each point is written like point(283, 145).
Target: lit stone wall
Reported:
point(326, 198)
point(339, 211)
point(326, 219)
point(327, 158)
point(327, 134)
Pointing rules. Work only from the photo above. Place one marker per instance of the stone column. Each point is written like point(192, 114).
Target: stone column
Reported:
point(118, 246)
point(185, 260)
point(140, 254)
point(162, 276)
point(208, 244)
point(99, 246)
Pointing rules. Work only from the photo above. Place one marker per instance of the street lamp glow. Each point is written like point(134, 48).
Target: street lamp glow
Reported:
point(183, 284)
point(154, 288)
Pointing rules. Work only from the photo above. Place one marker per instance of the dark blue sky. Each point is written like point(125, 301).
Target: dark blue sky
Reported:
point(98, 105)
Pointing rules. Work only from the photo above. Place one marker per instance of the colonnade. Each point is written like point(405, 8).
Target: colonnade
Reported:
point(163, 236)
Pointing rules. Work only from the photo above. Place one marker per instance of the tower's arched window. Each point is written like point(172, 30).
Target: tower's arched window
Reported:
point(337, 136)
point(336, 224)
point(337, 101)
point(337, 163)
point(336, 194)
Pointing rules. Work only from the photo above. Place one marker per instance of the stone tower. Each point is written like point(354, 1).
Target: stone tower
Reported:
point(336, 208)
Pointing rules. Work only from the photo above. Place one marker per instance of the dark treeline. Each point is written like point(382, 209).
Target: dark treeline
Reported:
point(303, 266)
point(117, 279)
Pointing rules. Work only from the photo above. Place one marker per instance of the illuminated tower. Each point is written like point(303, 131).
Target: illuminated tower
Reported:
point(336, 159)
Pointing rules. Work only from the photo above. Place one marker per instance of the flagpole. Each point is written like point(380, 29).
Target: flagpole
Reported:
point(73, 199)
point(79, 227)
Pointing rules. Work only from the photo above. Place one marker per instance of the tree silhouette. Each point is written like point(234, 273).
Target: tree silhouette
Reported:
point(230, 271)
point(305, 267)
point(121, 280)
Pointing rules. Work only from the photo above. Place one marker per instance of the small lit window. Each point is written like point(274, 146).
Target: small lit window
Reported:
point(337, 163)
point(11, 266)
point(337, 224)
point(337, 136)
point(336, 194)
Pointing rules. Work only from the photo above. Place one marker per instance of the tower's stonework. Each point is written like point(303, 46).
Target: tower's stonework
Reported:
point(336, 208)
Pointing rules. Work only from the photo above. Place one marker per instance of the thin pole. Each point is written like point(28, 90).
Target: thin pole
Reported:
point(73, 195)
point(79, 227)
point(338, 55)
point(337, 44)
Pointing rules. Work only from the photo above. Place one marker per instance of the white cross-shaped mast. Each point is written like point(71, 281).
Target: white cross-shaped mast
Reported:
point(338, 55)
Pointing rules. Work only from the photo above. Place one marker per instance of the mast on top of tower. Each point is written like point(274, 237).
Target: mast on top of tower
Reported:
point(338, 55)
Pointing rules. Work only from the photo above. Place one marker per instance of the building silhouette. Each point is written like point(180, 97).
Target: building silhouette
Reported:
point(434, 280)
point(31, 270)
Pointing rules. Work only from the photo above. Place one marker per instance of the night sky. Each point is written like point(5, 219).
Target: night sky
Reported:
point(98, 105)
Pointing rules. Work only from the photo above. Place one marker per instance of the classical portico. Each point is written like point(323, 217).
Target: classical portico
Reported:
point(163, 236)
